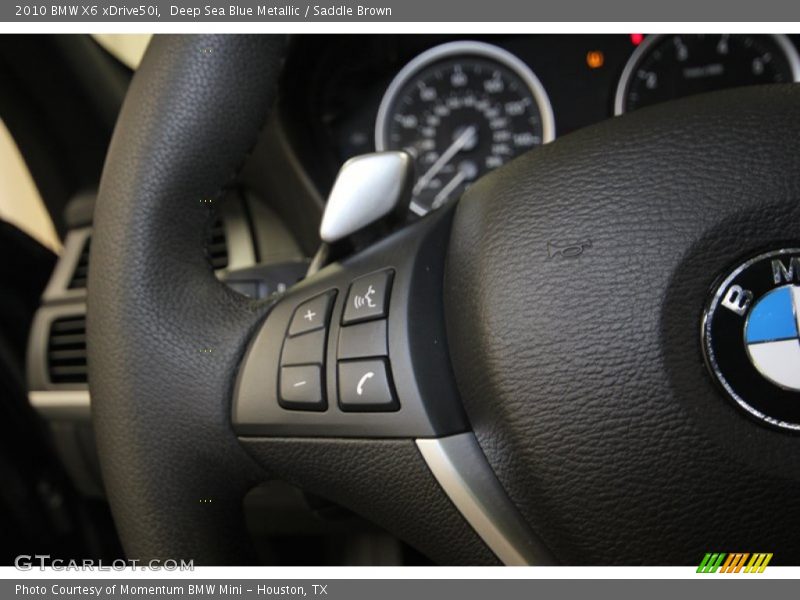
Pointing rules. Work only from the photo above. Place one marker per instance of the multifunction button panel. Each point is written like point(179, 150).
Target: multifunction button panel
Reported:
point(363, 371)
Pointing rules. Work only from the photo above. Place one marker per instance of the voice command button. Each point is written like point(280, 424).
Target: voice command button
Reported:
point(368, 298)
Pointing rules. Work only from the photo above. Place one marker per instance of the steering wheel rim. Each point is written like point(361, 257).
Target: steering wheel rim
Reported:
point(165, 335)
point(172, 351)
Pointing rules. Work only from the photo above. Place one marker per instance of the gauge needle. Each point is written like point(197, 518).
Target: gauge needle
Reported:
point(445, 191)
point(461, 141)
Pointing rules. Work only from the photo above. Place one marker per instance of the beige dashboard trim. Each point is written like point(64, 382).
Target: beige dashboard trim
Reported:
point(72, 405)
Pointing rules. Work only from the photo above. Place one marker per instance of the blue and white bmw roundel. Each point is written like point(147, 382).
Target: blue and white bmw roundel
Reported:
point(751, 337)
point(772, 336)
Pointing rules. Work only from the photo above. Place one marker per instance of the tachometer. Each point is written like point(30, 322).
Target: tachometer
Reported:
point(664, 67)
point(462, 109)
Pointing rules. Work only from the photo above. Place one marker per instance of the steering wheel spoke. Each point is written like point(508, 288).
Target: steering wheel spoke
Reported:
point(357, 350)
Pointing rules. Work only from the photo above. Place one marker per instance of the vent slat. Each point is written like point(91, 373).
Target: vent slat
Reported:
point(67, 355)
point(217, 245)
point(69, 325)
point(81, 273)
point(66, 370)
point(60, 340)
point(66, 350)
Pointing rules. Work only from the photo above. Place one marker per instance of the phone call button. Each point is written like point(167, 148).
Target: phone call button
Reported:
point(365, 385)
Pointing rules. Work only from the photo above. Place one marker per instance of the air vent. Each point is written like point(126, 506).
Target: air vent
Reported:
point(217, 245)
point(66, 350)
point(81, 272)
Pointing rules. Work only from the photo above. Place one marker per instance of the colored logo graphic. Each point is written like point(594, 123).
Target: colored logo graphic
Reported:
point(772, 335)
point(736, 562)
point(751, 337)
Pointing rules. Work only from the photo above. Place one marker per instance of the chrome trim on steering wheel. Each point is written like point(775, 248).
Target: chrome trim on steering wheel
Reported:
point(459, 465)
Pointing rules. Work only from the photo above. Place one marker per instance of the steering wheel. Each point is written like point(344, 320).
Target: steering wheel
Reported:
point(532, 405)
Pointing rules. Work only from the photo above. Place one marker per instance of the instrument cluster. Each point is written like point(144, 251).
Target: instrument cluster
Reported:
point(462, 107)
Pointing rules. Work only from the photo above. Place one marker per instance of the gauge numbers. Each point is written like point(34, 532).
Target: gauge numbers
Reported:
point(461, 110)
point(664, 67)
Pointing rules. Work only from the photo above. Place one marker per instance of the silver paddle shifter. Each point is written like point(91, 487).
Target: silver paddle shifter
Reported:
point(369, 188)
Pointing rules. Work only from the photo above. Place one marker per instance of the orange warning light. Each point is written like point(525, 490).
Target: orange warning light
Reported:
point(595, 59)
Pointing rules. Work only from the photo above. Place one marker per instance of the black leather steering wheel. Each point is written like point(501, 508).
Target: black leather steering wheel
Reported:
point(581, 375)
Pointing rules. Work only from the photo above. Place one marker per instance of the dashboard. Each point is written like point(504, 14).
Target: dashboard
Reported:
point(464, 106)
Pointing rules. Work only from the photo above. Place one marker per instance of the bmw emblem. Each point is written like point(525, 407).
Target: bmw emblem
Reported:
point(751, 337)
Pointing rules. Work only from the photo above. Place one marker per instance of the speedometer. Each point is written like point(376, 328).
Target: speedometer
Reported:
point(664, 67)
point(462, 109)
